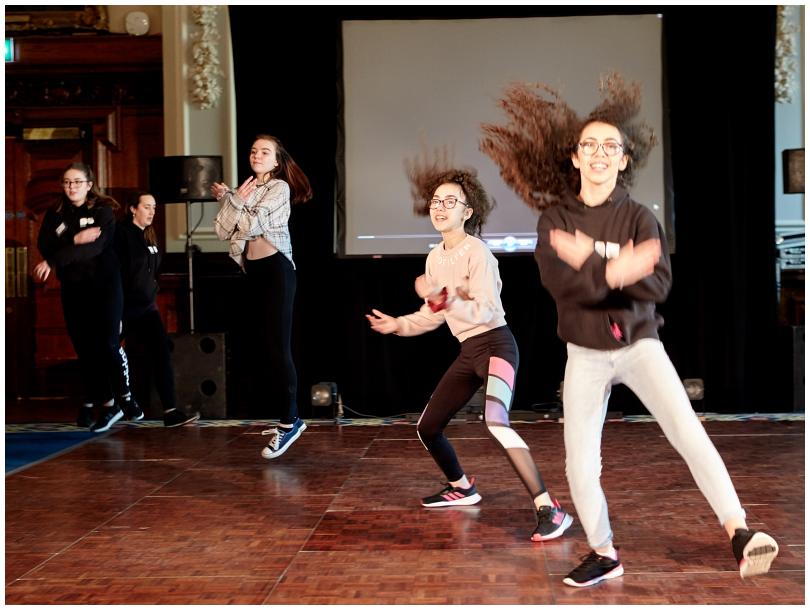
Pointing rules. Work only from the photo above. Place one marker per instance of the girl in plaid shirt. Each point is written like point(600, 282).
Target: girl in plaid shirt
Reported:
point(254, 218)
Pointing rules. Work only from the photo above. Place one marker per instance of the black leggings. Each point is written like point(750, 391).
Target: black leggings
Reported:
point(147, 330)
point(92, 311)
point(270, 294)
point(491, 356)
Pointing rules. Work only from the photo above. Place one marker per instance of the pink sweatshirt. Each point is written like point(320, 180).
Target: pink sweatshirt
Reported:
point(471, 267)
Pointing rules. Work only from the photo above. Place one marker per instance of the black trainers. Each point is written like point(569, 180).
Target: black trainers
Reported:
point(593, 569)
point(177, 417)
point(107, 417)
point(282, 439)
point(85, 418)
point(132, 409)
point(454, 496)
point(552, 521)
point(754, 551)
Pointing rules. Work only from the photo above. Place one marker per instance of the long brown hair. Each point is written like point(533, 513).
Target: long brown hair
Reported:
point(533, 150)
point(133, 201)
point(426, 175)
point(94, 196)
point(288, 170)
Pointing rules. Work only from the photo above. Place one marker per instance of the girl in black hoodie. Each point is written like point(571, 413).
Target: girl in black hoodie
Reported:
point(76, 239)
point(603, 258)
point(136, 246)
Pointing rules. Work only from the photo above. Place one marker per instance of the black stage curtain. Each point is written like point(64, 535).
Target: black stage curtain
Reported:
point(721, 315)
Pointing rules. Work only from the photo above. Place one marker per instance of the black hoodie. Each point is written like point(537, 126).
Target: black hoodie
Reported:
point(78, 263)
point(587, 308)
point(139, 269)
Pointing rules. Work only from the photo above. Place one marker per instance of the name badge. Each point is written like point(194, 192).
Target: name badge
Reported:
point(60, 229)
point(83, 222)
point(153, 249)
point(606, 249)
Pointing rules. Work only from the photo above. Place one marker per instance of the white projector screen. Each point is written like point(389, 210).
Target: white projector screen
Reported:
point(408, 84)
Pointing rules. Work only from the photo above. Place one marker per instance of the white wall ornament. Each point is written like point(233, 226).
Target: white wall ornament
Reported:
point(786, 65)
point(206, 88)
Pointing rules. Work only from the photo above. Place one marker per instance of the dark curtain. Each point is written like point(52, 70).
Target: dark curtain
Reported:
point(721, 315)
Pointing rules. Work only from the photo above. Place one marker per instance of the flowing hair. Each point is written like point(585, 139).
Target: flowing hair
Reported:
point(133, 201)
point(533, 149)
point(426, 174)
point(288, 170)
point(94, 197)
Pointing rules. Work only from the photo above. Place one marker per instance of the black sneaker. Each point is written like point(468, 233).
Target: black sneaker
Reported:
point(454, 496)
point(552, 521)
point(132, 409)
point(282, 439)
point(177, 417)
point(85, 418)
point(593, 569)
point(754, 551)
point(107, 417)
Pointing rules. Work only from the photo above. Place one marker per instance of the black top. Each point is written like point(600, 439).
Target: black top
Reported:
point(139, 269)
point(586, 306)
point(78, 263)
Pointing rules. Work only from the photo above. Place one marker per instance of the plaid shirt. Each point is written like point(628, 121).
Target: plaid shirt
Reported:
point(264, 214)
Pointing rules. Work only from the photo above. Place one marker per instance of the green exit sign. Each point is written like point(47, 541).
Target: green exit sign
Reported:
point(9, 49)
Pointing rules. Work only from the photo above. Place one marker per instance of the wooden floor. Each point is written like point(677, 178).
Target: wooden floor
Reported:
point(194, 515)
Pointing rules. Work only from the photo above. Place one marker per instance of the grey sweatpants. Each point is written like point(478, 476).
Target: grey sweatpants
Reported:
point(645, 368)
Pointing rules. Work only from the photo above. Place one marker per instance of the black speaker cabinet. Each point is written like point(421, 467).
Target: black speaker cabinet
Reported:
point(199, 373)
point(181, 179)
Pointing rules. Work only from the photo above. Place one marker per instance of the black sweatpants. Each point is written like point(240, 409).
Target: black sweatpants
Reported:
point(491, 358)
point(271, 284)
point(147, 330)
point(92, 311)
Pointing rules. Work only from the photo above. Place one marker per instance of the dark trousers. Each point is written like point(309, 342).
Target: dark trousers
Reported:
point(147, 332)
point(92, 311)
point(271, 284)
point(491, 359)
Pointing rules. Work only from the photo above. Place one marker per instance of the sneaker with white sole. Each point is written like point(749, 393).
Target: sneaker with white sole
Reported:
point(552, 521)
point(107, 417)
point(593, 569)
point(282, 439)
point(754, 551)
point(453, 496)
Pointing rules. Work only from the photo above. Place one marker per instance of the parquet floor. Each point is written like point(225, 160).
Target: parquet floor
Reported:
point(194, 515)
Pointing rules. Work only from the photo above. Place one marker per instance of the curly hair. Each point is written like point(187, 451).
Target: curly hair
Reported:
point(426, 175)
point(533, 150)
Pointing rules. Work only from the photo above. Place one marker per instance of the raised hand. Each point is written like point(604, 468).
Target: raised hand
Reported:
point(86, 236)
point(246, 188)
point(634, 263)
point(382, 323)
point(574, 249)
point(218, 190)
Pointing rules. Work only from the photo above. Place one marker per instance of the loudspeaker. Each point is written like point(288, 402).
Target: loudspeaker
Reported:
point(199, 373)
point(181, 179)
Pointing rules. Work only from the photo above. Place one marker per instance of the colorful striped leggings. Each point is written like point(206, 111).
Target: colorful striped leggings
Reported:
point(490, 358)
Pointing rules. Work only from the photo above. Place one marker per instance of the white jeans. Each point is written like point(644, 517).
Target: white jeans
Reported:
point(645, 368)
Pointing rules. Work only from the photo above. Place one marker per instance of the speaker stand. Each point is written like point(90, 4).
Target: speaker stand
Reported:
point(190, 259)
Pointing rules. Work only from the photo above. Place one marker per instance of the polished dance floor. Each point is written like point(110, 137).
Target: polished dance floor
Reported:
point(194, 515)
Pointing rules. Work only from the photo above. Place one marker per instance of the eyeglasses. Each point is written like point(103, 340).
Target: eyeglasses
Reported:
point(448, 203)
point(611, 149)
point(69, 183)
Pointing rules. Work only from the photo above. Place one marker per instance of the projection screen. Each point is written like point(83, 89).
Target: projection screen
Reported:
point(431, 83)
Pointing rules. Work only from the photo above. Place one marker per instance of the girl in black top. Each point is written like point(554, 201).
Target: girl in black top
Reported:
point(76, 238)
point(136, 246)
